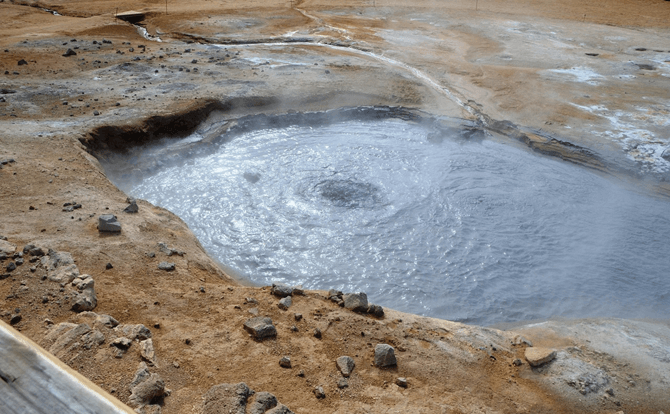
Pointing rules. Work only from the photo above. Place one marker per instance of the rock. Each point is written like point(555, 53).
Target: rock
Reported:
point(357, 302)
point(67, 334)
point(319, 393)
point(70, 52)
point(517, 362)
point(226, 399)
point(401, 382)
point(167, 266)
point(346, 365)
point(147, 351)
point(83, 282)
point(342, 383)
point(54, 260)
point(7, 248)
point(64, 274)
point(297, 316)
point(263, 401)
point(122, 343)
point(384, 356)
point(109, 266)
point(145, 391)
point(281, 290)
point(539, 356)
point(108, 223)
point(260, 327)
point(163, 247)
point(666, 154)
point(376, 310)
point(285, 362)
point(15, 319)
point(85, 301)
point(279, 409)
point(22, 62)
point(317, 333)
point(107, 321)
point(285, 303)
point(132, 207)
point(11, 267)
point(139, 331)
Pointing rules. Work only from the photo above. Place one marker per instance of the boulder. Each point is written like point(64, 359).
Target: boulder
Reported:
point(260, 327)
point(147, 351)
point(107, 223)
point(7, 248)
point(85, 301)
point(138, 331)
point(132, 207)
point(539, 356)
point(263, 401)
point(346, 365)
point(167, 266)
point(152, 387)
point(285, 303)
point(281, 290)
point(384, 356)
point(357, 302)
point(64, 274)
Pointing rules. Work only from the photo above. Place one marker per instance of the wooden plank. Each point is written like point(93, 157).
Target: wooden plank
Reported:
point(32, 381)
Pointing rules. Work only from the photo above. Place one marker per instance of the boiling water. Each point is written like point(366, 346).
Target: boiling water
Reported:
point(473, 231)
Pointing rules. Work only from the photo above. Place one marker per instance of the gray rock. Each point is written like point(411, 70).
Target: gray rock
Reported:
point(122, 343)
point(342, 383)
point(376, 310)
point(65, 339)
point(163, 247)
point(64, 273)
point(357, 302)
point(666, 154)
point(317, 333)
point(11, 267)
point(263, 401)
point(132, 207)
point(145, 391)
point(334, 292)
point(226, 399)
point(285, 362)
point(384, 356)
point(7, 248)
point(319, 393)
point(138, 331)
point(55, 259)
point(83, 282)
point(85, 301)
point(70, 52)
point(280, 409)
point(285, 303)
point(346, 365)
point(401, 382)
point(107, 321)
point(167, 266)
point(260, 327)
point(141, 374)
point(147, 351)
point(108, 223)
point(539, 356)
point(281, 290)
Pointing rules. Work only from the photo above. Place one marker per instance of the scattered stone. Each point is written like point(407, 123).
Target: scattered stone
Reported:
point(147, 351)
point(294, 328)
point(15, 319)
point(285, 362)
point(132, 207)
point(357, 302)
point(317, 333)
point(384, 356)
point(86, 300)
point(319, 393)
point(346, 365)
point(226, 398)
point(69, 53)
point(64, 274)
point(163, 247)
point(298, 317)
point(539, 356)
point(285, 303)
point(108, 223)
point(263, 401)
point(167, 266)
point(18, 261)
point(401, 382)
point(666, 154)
point(6, 247)
point(96, 113)
point(281, 290)
point(11, 267)
point(520, 340)
point(260, 327)
point(22, 62)
point(517, 362)
point(109, 266)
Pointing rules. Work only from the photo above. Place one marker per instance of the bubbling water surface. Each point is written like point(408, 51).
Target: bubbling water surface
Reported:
point(473, 231)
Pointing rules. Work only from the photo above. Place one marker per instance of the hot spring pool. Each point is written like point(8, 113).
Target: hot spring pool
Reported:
point(468, 230)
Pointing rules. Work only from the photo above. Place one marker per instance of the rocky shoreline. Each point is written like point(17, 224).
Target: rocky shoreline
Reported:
point(148, 316)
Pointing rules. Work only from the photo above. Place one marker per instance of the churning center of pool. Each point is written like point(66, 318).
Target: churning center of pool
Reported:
point(472, 231)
